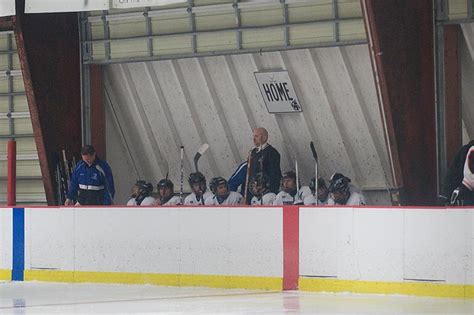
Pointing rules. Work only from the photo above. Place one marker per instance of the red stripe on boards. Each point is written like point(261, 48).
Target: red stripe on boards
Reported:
point(290, 247)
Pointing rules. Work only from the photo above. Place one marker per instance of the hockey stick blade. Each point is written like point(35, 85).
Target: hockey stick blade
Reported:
point(313, 150)
point(203, 148)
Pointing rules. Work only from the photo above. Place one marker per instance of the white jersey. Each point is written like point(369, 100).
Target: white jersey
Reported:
point(305, 192)
point(191, 199)
point(355, 199)
point(284, 198)
point(175, 200)
point(148, 201)
point(234, 198)
point(265, 200)
point(311, 200)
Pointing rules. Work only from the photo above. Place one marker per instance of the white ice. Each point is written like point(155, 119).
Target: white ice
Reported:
point(57, 298)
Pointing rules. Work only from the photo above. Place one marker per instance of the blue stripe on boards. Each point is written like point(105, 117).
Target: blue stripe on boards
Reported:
point(18, 244)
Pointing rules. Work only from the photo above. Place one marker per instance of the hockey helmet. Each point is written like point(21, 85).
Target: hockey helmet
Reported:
point(165, 183)
point(216, 182)
point(339, 183)
point(321, 183)
point(144, 188)
point(289, 175)
point(196, 178)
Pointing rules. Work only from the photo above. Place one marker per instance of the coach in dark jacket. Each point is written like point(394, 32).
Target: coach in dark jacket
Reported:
point(265, 159)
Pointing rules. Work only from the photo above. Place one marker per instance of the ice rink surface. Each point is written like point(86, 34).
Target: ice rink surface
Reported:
point(58, 298)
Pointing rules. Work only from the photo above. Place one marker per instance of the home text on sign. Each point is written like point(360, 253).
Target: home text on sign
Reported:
point(278, 92)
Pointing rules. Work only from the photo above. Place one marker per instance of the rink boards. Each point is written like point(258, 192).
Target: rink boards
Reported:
point(419, 251)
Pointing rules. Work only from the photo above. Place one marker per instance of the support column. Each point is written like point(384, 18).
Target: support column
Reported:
point(401, 43)
point(97, 110)
point(448, 64)
point(49, 52)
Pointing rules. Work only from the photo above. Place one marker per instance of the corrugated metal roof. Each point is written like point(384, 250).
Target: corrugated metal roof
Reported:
point(155, 107)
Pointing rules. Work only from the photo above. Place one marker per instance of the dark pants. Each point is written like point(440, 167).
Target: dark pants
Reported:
point(468, 198)
point(90, 197)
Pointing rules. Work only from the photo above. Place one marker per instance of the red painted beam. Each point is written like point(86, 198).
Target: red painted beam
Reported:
point(11, 173)
point(49, 51)
point(34, 115)
point(383, 94)
point(452, 78)
point(402, 52)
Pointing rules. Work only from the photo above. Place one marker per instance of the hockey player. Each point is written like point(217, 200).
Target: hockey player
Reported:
point(289, 195)
point(166, 193)
point(141, 194)
point(322, 194)
point(199, 194)
point(341, 192)
point(222, 194)
point(259, 187)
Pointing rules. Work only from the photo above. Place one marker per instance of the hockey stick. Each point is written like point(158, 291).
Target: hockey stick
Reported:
point(181, 180)
point(66, 168)
point(203, 148)
point(297, 176)
point(247, 175)
point(315, 156)
point(297, 199)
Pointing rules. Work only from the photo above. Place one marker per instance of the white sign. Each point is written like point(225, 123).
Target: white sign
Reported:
point(43, 6)
point(278, 92)
point(124, 4)
point(7, 7)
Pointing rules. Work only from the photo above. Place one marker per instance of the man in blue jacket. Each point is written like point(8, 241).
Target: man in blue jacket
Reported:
point(92, 182)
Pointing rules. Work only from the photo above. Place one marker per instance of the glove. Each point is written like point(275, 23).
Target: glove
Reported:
point(298, 202)
point(457, 197)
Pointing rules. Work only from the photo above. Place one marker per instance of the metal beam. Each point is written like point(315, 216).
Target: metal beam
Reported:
point(448, 97)
point(404, 75)
point(242, 28)
point(222, 53)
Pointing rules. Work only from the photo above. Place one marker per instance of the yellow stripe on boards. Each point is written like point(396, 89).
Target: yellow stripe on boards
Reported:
point(433, 289)
point(232, 282)
point(5, 274)
point(214, 281)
